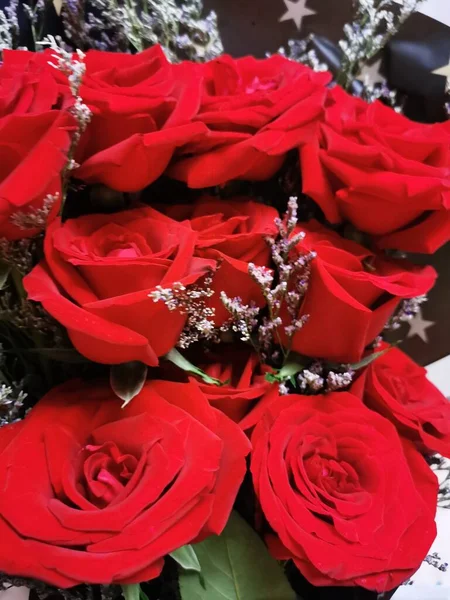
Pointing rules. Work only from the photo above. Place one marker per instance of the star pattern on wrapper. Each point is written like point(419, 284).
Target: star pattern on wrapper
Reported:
point(418, 326)
point(372, 73)
point(296, 11)
point(444, 72)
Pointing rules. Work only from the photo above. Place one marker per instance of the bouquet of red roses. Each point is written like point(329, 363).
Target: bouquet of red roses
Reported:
point(199, 265)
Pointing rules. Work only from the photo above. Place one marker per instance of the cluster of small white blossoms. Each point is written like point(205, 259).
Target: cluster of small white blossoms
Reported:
point(244, 317)
point(408, 310)
point(35, 218)
point(190, 301)
point(316, 380)
point(375, 22)
point(74, 69)
point(302, 52)
point(9, 26)
point(65, 62)
point(10, 404)
point(286, 286)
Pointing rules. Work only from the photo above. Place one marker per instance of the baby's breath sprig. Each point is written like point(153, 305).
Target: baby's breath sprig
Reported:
point(408, 309)
point(244, 317)
point(35, 218)
point(374, 23)
point(316, 378)
point(11, 403)
point(303, 52)
point(191, 301)
point(74, 69)
point(9, 26)
point(180, 28)
point(282, 287)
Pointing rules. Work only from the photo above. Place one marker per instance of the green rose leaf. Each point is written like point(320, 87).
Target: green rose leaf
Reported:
point(127, 380)
point(235, 566)
point(186, 558)
point(365, 362)
point(181, 362)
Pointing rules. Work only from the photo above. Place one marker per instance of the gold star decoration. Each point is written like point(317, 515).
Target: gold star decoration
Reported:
point(296, 11)
point(444, 72)
point(418, 326)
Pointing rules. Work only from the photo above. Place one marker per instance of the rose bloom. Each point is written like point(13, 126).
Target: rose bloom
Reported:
point(28, 85)
point(33, 152)
point(398, 388)
point(35, 136)
point(98, 273)
point(348, 501)
point(142, 112)
point(232, 232)
point(351, 295)
point(244, 380)
point(385, 174)
point(255, 112)
point(105, 493)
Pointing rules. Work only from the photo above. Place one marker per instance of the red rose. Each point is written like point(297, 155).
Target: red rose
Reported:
point(141, 113)
point(396, 387)
point(348, 501)
point(110, 491)
point(33, 153)
point(255, 112)
point(351, 295)
point(98, 273)
point(232, 232)
point(245, 382)
point(385, 174)
point(28, 85)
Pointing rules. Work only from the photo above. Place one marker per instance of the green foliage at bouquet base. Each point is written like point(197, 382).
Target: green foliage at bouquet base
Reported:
point(235, 566)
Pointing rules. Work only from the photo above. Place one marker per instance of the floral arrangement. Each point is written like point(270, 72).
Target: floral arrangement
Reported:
point(200, 263)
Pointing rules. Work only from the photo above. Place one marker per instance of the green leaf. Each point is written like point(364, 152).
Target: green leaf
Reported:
point(178, 359)
point(186, 558)
point(287, 371)
point(235, 566)
point(370, 359)
point(4, 274)
point(127, 380)
point(132, 591)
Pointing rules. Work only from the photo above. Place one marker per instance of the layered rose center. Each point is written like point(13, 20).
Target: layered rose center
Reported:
point(331, 475)
point(106, 472)
point(122, 247)
point(328, 478)
point(261, 85)
point(113, 241)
